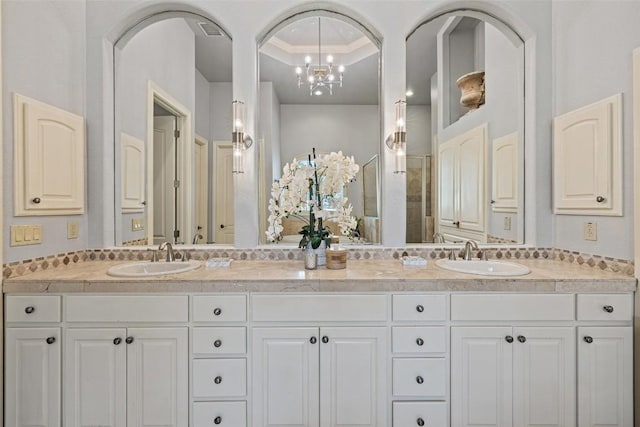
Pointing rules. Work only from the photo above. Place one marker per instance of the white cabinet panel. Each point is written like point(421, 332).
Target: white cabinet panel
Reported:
point(49, 152)
point(447, 184)
point(605, 383)
point(426, 378)
point(33, 308)
point(504, 176)
point(219, 308)
point(587, 163)
point(225, 414)
point(219, 378)
point(419, 339)
point(498, 306)
point(430, 414)
point(130, 308)
point(132, 169)
point(157, 377)
point(419, 308)
point(611, 307)
point(32, 382)
point(209, 341)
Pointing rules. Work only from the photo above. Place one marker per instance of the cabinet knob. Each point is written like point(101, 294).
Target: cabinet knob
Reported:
point(325, 339)
point(36, 200)
point(313, 340)
point(456, 223)
point(600, 199)
point(217, 311)
point(117, 341)
point(588, 339)
point(129, 340)
point(608, 308)
point(217, 420)
point(419, 308)
point(217, 379)
point(521, 338)
point(29, 309)
point(508, 339)
point(217, 343)
point(420, 422)
point(51, 340)
point(420, 342)
point(419, 379)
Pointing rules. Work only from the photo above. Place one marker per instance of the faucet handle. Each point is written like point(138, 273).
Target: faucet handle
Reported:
point(483, 255)
point(154, 255)
point(185, 255)
point(452, 254)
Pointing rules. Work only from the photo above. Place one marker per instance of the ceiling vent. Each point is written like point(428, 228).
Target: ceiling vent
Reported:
point(209, 29)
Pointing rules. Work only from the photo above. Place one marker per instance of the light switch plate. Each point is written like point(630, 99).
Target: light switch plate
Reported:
point(72, 229)
point(137, 224)
point(590, 231)
point(22, 235)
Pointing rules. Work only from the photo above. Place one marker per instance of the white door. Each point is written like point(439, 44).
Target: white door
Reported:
point(223, 226)
point(447, 184)
point(481, 376)
point(201, 189)
point(605, 383)
point(285, 377)
point(95, 375)
point(471, 181)
point(157, 377)
point(163, 209)
point(504, 176)
point(353, 376)
point(32, 382)
point(132, 173)
point(544, 377)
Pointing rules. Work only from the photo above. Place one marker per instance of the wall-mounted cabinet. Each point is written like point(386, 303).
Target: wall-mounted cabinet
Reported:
point(132, 167)
point(49, 159)
point(504, 176)
point(587, 160)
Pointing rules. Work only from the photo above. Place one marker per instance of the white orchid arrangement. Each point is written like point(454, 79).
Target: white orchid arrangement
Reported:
point(309, 191)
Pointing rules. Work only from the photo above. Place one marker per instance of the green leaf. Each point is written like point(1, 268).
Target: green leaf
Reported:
point(315, 242)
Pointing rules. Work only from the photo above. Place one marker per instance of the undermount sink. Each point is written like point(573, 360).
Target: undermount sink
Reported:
point(484, 268)
point(147, 268)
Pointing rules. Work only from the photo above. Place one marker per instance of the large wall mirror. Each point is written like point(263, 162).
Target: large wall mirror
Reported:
point(342, 114)
point(173, 94)
point(465, 163)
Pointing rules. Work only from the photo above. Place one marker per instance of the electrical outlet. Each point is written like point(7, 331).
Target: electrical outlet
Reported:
point(72, 229)
point(507, 223)
point(590, 231)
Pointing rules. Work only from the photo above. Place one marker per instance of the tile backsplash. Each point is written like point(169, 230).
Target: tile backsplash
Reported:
point(63, 260)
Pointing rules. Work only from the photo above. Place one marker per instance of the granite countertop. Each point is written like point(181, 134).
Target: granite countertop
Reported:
point(290, 276)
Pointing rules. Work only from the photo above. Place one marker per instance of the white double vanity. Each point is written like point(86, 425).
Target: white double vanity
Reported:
point(270, 344)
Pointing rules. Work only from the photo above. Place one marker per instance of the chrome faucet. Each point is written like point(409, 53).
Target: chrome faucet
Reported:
point(467, 255)
point(438, 238)
point(170, 255)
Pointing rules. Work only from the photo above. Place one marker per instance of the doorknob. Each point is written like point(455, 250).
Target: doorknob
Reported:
point(221, 226)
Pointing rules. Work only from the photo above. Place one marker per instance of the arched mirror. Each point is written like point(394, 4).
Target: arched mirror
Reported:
point(319, 89)
point(172, 110)
point(465, 131)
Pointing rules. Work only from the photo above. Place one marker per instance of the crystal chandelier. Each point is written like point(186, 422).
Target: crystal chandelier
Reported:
point(320, 77)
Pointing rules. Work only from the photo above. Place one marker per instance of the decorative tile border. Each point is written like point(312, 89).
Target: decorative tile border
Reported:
point(495, 239)
point(21, 268)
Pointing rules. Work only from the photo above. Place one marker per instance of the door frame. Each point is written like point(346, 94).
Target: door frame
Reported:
point(636, 218)
point(203, 142)
point(155, 94)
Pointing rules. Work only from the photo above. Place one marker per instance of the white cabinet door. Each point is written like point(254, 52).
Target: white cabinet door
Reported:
point(353, 376)
point(504, 176)
point(132, 170)
point(471, 192)
point(285, 377)
point(481, 376)
point(95, 378)
point(544, 378)
point(157, 377)
point(447, 207)
point(605, 383)
point(32, 381)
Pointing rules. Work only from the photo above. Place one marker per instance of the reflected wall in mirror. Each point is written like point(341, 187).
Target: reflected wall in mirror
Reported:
point(299, 110)
point(173, 95)
point(476, 190)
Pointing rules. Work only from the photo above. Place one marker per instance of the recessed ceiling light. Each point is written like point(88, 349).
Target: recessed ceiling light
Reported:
point(409, 92)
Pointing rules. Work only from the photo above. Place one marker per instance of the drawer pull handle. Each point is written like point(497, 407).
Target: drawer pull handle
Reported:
point(521, 338)
point(129, 340)
point(508, 339)
point(313, 340)
point(217, 343)
point(420, 342)
point(51, 340)
point(217, 312)
point(420, 422)
point(36, 200)
point(419, 308)
point(419, 379)
point(588, 339)
point(600, 199)
point(325, 339)
point(217, 420)
point(117, 341)
point(217, 379)
point(29, 309)
point(608, 308)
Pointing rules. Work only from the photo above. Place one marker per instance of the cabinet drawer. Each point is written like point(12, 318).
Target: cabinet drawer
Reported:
point(605, 307)
point(219, 377)
point(419, 307)
point(220, 308)
point(33, 308)
point(208, 341)
point(130, 308)
point(319, 308)
point(226, 414)
point(513, 307)
point(426, 378)
point(426, 339)
point(432, 414)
